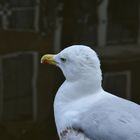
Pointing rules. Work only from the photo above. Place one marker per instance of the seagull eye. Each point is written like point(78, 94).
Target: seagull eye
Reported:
point(63, 59)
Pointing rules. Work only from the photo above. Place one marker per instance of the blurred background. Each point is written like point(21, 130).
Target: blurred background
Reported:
point(31, 28)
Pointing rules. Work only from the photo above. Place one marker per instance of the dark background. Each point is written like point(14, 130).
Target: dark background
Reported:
point(31, 28)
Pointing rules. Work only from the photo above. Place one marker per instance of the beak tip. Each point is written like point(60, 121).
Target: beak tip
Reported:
point(41, 61)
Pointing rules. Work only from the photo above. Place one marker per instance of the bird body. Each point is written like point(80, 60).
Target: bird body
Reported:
point(114, 119)
point(83, 110)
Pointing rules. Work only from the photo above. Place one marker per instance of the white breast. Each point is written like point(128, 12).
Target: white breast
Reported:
point(67, 113)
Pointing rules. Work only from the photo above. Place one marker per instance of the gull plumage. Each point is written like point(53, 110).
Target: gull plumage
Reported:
point(83, 110)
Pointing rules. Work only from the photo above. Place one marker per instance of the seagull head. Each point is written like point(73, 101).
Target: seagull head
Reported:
point(76, 62)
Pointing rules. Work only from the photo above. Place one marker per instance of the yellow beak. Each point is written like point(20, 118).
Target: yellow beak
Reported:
point(48, 59)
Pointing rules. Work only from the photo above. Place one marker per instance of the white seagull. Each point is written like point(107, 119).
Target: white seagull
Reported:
point(83, 110)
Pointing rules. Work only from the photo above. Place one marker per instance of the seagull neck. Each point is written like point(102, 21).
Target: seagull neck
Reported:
point(76, 90)
point(87, 85)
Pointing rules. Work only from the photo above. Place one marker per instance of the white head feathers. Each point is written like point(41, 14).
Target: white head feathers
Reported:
point(77, 61)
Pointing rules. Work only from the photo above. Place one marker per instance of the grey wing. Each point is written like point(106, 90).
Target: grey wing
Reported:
point(73, 134)
point(111, 119)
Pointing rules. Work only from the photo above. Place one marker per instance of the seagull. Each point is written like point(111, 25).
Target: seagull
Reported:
point(83, 109)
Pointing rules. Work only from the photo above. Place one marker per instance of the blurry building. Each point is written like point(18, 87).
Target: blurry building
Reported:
point(23, 94)
point(30, 28)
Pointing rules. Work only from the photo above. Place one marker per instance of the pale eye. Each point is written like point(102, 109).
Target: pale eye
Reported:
point(63, 59)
